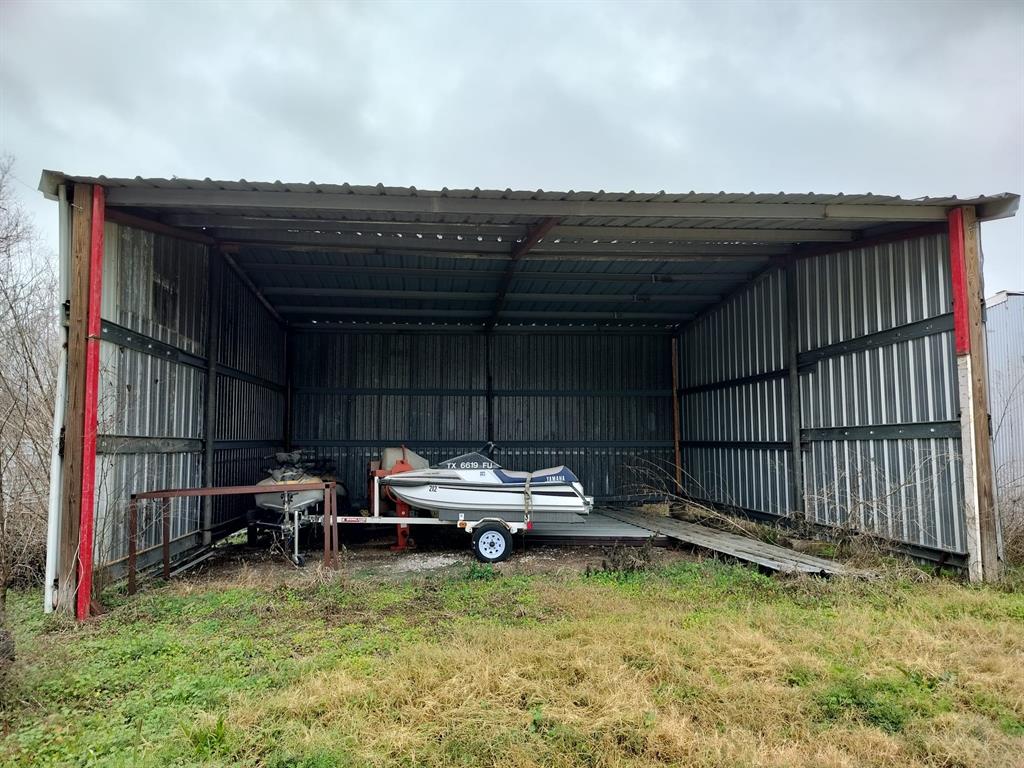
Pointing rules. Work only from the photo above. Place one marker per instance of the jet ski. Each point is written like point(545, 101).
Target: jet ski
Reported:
point(286, 514)
point(474, 487)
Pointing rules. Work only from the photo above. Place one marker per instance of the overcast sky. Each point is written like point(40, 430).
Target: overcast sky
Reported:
point(913, 99)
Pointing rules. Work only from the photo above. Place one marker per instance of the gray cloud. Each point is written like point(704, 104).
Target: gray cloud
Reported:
point(913, 98)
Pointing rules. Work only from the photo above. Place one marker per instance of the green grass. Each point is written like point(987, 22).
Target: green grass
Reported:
point(693, 663)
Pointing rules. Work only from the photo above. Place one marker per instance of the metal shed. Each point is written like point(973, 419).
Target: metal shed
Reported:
point(797, 355)
point(1005, 325)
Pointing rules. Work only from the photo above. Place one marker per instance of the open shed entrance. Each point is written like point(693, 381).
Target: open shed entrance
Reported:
point(791, 355)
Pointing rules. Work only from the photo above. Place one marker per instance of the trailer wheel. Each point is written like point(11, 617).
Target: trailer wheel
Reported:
point(252, 536)
point(492, 543)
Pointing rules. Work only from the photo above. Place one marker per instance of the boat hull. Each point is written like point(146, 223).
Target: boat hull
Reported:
point(275, 501)
point(436, 497)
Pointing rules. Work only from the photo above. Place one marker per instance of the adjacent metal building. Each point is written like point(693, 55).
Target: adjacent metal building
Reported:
point(1005, 326)
point(807, 356)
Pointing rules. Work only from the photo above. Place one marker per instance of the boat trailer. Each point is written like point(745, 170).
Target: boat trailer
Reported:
point(492, 536)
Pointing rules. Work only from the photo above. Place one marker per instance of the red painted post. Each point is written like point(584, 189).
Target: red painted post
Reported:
point(958, 274)
point(133, 542)
point(91, 407)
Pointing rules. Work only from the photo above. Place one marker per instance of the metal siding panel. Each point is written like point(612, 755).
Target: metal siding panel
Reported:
point(742, 337)
point(146, 396)
point(251, 340)
point(905, 489)
point(568, 392)
point(1005, 334)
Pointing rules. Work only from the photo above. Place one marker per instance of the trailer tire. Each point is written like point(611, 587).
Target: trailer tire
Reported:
point(492, 543)
point(252, 536)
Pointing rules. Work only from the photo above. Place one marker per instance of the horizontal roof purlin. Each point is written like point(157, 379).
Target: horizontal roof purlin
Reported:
point(346, 255)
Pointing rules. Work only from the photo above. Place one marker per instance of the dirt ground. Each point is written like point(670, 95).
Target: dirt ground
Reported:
point(433, 555)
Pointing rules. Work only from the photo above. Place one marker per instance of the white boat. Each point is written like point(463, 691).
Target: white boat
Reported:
point(473, 487)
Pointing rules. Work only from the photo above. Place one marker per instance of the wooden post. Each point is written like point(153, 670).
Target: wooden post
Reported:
point(90, 408)
point(71, 486)
point(676, 417)
point(327, 530)
point(792, 335)
point(133, 542)
point(210, 406)
point(981, 516)
point(335, 532)
point(165, 515)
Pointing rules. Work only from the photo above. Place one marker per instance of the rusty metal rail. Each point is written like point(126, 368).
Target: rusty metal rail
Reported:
point(330, 517)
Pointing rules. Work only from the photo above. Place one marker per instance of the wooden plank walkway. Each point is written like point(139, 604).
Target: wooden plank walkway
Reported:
point(595, 528)
point(761, 553)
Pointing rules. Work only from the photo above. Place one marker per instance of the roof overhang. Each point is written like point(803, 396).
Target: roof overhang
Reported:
point(343, 255)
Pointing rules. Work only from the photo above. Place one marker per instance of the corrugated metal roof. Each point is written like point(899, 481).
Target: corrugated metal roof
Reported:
point(343, 253)
point(50, 180)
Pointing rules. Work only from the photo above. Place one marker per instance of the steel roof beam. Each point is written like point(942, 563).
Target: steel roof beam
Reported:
point(536, 314)
point(552, 249)
point(368, 239)
point(512, 231)
point(487, 275)
point(340, 326)
point(730, 254)
point(548, 247)
point(239, 200)
point(705, 234)
point(278, 223)
point(537, 233)
point(402, 295)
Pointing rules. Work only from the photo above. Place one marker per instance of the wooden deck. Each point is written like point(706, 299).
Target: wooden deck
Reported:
point(768, 556)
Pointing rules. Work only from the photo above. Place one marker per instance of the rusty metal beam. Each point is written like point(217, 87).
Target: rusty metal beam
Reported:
point(518, 252)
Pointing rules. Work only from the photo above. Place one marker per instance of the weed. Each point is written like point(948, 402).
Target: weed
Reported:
point(887, 702)
point(480, 572)
point(207, 739)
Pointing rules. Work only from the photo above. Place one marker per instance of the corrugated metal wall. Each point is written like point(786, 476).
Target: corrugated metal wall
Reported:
point(599, 404)
point(734, 435)
point(153, 371)
point(1005, 325)
point(908, 489)
point(876, 350)
point(154, 288)
point(250, 407)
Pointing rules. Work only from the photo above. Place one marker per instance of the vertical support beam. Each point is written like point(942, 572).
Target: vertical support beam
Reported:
point(489, 403)
point(676, 417)
point(981, 515)
point(327, 531)
point(289, 387)
point(792, 336)
point(90, 407)
point(213, 294)
point(133, 542)
point(71, 479)
point(165, 539)
point(335, 532)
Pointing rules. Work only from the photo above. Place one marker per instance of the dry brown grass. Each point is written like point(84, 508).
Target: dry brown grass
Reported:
point(629, 682)
point(694, 664)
